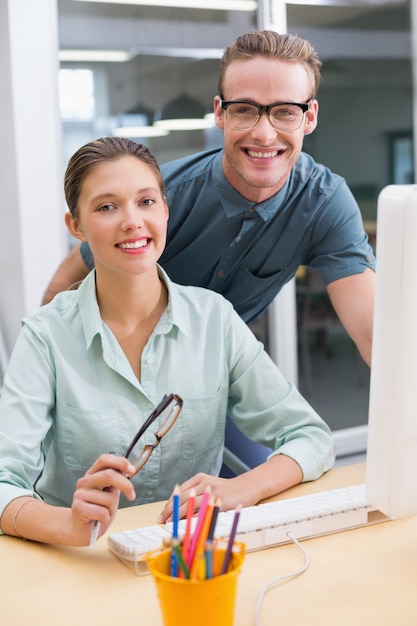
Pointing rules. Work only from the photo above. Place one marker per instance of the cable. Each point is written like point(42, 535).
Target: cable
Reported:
point(279, 579)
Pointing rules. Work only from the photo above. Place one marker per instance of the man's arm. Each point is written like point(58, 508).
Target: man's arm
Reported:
point(70, 272)
point(353, 301)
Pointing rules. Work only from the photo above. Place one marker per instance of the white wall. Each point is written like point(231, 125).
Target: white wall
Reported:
point(31, 223)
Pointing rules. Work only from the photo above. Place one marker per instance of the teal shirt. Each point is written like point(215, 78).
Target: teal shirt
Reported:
point(219, 240)
point(70, 394)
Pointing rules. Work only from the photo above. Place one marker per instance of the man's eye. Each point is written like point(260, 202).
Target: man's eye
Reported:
point(286, 112)
point(246, 110)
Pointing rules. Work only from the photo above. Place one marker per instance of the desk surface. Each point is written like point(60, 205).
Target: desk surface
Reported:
point(364, 577)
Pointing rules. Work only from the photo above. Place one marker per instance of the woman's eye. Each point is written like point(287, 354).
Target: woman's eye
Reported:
point(147, 202)
point(105, 208)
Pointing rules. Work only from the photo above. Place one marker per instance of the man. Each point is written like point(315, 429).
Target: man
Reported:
point(245, 217)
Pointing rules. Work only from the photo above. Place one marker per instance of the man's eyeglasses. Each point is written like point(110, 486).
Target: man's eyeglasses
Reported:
point(284, 116)
point(168, 411)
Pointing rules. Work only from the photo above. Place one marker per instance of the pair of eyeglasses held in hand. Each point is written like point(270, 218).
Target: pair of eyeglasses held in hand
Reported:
point(168, 411)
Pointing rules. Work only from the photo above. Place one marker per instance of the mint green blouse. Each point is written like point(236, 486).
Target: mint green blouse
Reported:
point(70, 395)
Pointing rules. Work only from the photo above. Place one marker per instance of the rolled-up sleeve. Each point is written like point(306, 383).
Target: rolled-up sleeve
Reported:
point(25, 409)
point(270, 410)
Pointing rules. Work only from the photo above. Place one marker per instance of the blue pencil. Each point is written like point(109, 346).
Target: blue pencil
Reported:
point(175, 521)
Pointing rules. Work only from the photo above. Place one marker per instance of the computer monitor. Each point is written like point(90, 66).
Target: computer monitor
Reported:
point(391, 462)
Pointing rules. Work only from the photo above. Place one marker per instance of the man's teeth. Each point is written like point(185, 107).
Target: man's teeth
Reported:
point(262, 155)
point(135, 244)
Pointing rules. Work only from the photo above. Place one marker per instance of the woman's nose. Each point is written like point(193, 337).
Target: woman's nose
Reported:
point(132, 218)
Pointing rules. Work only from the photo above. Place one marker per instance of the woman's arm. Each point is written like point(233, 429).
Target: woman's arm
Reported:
point(269, 410)
point(280, 472)
point(96, 498)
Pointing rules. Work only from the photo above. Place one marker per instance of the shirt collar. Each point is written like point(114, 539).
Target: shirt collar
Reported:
point(175, 314)
point(234, 204)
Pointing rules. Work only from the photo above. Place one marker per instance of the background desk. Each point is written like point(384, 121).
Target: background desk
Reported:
point(362, 577)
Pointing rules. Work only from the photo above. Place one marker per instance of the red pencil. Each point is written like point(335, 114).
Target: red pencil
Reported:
point(202, 538)
point(199, 525)
point(187, 535)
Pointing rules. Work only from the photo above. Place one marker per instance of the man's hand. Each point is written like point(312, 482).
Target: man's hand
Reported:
point(69, 274)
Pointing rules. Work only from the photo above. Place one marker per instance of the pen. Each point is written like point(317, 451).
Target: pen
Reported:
point(95, 531)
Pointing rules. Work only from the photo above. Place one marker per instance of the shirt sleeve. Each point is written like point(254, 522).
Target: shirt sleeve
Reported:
point(269, 410)
point(339, 243)
point(87, 255)
point(26, 406)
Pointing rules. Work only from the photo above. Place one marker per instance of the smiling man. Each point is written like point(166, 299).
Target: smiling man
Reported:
point(244, 218)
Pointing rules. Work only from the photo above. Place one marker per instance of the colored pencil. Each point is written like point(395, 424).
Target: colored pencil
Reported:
point(182, 565)
point(175, 519)
point(231, 541)
point(199, 525)
point(187, 535)
point(209, 559)
point(202, 539)
point(216, 510)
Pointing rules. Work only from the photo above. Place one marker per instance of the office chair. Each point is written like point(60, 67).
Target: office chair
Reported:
point(316, 316)
point(240, 453)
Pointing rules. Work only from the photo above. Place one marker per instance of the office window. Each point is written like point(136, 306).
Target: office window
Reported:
point(402, 161)
point(76, 94)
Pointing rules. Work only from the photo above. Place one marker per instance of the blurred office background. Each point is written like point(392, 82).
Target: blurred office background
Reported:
point(73, 70)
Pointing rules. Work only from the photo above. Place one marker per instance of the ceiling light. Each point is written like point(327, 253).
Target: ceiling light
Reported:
point(183, 113)
point(139, 131)
point(218, 5)
point(137, 122)
point(115, 56)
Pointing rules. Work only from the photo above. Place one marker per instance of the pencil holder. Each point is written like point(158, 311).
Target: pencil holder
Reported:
point(203, 602)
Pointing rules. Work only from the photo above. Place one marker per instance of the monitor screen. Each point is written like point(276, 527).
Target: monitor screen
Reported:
point(391, 462)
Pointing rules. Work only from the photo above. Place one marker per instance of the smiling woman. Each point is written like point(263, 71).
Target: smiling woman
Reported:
point(106, 353)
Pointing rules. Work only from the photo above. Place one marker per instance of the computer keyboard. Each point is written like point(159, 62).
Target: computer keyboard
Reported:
point(264, 525)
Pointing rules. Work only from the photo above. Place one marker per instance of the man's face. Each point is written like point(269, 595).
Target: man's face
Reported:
point(257, 162)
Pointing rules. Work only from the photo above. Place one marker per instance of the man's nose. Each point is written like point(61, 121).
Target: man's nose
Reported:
point(263, 127)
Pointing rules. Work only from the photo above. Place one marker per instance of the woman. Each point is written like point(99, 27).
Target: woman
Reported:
point(90, 366)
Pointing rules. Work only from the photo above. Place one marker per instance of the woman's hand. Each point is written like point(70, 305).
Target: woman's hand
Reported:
point(230, 491)
point(97, 496)
point(275, 475)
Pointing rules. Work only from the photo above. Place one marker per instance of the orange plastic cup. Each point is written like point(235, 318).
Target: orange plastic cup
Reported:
point(203, 602)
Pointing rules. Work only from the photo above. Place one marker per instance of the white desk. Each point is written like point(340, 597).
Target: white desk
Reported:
point(362, 577)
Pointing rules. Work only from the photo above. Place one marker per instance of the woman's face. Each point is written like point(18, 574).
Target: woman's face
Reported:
point(122, 215)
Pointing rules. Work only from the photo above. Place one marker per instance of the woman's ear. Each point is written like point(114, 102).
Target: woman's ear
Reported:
point(74, 227)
